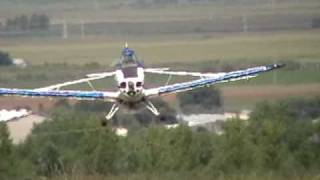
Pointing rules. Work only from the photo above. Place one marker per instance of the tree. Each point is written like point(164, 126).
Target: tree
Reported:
point(282, 139)
point(6, 153)
point(49, 160)
point(44, 22)
point(41, 21)
point(22, 22)
point(233, 150)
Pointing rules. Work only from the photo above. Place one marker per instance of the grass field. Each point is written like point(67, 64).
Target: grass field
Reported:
point(181, 52)
point(198, 52)
point(302, 46)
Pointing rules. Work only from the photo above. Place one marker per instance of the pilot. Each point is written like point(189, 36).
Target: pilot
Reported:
point(128, 55)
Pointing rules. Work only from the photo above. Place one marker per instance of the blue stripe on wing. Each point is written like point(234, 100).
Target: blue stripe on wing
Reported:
point(226, 77)
point(52, 93)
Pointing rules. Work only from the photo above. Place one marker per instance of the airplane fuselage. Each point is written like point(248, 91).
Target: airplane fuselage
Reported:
point(130, 81)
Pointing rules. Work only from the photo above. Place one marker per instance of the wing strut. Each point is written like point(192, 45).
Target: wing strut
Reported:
point(91, 86)
point(169, 79)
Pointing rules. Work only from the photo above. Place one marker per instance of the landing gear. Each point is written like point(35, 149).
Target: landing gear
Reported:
point(152, 109)
point(104, 122)
point(112, 112)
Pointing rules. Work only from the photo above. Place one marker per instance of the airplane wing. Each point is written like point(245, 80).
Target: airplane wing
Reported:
point(151, 70)
point(222, 77)
point(69, 94)
point(181, 73)
point(102, 75)
point(53, 91)
point(58, 86)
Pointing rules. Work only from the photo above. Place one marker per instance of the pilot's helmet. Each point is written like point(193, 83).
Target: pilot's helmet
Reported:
point(127, 52)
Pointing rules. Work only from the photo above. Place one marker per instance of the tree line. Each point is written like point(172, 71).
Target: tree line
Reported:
point(281, 139)
point(24, 22)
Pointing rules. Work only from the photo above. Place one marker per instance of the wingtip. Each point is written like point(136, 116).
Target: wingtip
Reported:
point(281, 65)
point(276, 66)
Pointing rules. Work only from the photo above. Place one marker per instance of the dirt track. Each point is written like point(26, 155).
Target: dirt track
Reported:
point(19, 129)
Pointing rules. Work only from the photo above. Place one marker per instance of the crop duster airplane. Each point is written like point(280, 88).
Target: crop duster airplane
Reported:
point(131, 93)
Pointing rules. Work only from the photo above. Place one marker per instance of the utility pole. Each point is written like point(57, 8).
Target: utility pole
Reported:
point(82, 29)
point(65, 30)
point(96, 5)
point(244, 23)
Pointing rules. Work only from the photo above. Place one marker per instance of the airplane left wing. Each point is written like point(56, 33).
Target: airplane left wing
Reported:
point(54, 90)
point(68, 94)
point(223, 77)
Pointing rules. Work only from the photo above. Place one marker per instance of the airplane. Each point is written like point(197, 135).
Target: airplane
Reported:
point(130, 75)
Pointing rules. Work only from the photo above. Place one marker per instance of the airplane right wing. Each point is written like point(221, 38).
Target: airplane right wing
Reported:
point(224, 77)
point(181, 73)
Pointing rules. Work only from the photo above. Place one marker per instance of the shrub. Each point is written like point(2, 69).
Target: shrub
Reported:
point(5, 59)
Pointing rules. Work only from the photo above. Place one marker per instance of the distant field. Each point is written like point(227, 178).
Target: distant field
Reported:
point(120, 19)
point(190, 52)
point(250, 47)
point(98, 10)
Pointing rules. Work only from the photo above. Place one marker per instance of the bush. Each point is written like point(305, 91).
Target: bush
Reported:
point(5, 59)
point(273, 143)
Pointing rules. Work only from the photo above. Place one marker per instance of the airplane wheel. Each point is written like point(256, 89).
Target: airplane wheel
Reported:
point(162, 118)
point(104, 123)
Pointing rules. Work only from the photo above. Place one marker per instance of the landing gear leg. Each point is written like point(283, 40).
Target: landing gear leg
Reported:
point(112, 111)
point(152, 109)
point(109, 116)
